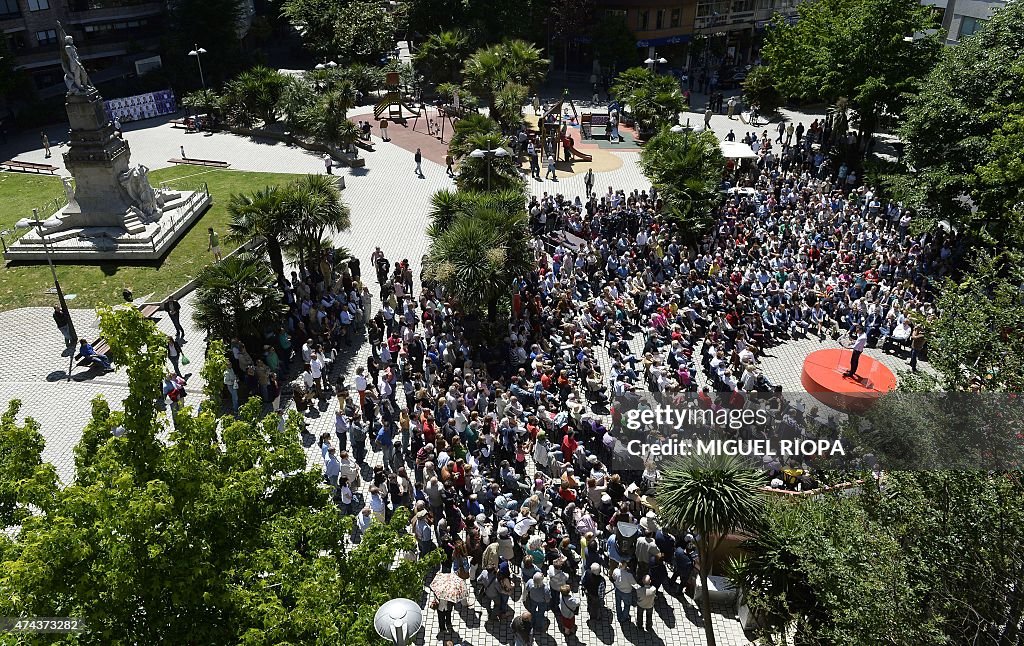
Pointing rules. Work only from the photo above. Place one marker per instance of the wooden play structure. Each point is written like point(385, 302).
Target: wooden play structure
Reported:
point(554, 126)
point(393, 102)
point(595, 125)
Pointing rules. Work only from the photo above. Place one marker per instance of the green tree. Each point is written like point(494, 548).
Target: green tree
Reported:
point(614, 44)
point(256, 94)
point(686, 168)
point(219, 536)
point(872, 52)
point(488, 71)
point(470, 126)
point(261, 216)
point(26, 482)
point(499, 173)
point(440, 56)
point(760, 89)
point(962, 133)
point(314, 207)
point(238, 297)
point(446, 206)
point(478, 255)
point(359, 31)
point(654, 100)
point(977, 333)
point(712, 496)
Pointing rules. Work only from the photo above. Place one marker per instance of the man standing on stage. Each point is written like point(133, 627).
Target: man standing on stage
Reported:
point(858, 347)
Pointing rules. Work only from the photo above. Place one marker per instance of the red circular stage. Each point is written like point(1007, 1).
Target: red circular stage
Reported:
point(823, 377)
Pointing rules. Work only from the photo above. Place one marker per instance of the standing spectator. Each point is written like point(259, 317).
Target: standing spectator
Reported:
point(624, 583)
point(588, 181)
point(551, 169)
point(173, 309)
point(46, 144)
point(917, 340)
point(522, 629)
point(64, 325)
point(568, 608)
point(645, 596)
point(231, 383)
point(384, 130)
point(328, 164)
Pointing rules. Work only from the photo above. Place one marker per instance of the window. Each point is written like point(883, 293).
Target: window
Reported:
point(47, 37)
point(9, 8)
point(38, 5)
point(660, 19)
point(969, 25)
point(676, 13)
point(643, 18)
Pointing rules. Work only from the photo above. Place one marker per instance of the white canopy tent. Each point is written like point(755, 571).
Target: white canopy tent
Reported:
point(737, 150)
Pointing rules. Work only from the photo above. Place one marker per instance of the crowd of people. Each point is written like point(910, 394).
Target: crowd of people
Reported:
point(509, 464)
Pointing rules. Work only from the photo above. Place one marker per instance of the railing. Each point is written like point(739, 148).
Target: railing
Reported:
point(45, 211)
point(184, 212)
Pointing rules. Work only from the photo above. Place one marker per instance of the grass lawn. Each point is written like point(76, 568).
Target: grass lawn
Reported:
point(96, 285)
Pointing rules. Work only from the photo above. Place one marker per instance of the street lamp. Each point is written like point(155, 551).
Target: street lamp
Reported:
point(198, 52)
point(653, 62)
point(398, 620)
point(3, 238)
point(39, 226)
point(489, 155)
point(325, 65)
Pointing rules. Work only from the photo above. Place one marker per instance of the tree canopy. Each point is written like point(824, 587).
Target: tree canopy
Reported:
point(219, 535)
point(654, 100)
point(686, 168)
point(964, 133)
point(350, 31)
point(872, 52)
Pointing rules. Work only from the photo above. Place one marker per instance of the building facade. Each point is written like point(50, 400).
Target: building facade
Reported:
point(108, 34)
point(961, 18)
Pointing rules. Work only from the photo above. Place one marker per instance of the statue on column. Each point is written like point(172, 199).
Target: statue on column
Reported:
point(75, 76)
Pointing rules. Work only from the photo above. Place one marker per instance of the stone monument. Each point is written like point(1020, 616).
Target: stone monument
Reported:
point(113, 212)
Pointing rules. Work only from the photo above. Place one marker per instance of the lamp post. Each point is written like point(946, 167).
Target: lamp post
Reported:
point(198, 52)
point(39, 226)
point(654, 60)
point(325, 65)
point(488, 155)
point(3, 238)
point(398, 620)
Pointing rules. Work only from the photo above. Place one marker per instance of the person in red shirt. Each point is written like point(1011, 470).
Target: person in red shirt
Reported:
point(569, 445)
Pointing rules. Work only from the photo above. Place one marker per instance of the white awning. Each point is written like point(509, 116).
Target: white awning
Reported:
point(737, 150)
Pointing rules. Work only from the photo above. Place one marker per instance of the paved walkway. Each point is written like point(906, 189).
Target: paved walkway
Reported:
point(389, 206)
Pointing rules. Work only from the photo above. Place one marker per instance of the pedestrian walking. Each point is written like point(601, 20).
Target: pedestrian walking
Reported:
point(328, 164)
point(551, 169)
point(449, 163)
point(384, 130)
point(46, 143)
point(174, 354)
point(707, 117)
point(588, 181)
point(418, 157)
point(732, 106)
point(173, 309)
point(782, 132)
point(214, 245)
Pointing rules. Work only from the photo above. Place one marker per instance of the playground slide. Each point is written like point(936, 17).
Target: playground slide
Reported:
point(575, 153)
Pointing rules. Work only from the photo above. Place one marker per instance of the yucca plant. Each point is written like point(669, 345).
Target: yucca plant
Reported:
point(711, 496)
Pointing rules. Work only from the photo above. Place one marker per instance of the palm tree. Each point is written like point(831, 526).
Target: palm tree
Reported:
point(257, 92)
point(687, 170)
point(238, 296)
point(468, 126)
point(202, 102)
point(260, 215)
point(654, 99)
point(712, 496)
point(497, 173)
point(446, 206)
point(441, 55)
point(314, 205)
point(478, 257)
point(489, 70)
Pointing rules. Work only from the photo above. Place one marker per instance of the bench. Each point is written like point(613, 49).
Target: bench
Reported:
point(25, 167)
point(364, 144)
point(199, 162)
point(149, 309)
point(180, 123)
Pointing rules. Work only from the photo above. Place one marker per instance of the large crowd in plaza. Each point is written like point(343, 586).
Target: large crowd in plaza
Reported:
point(508, 466)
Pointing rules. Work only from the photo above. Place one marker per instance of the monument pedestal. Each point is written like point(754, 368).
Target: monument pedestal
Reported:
point(113, 213)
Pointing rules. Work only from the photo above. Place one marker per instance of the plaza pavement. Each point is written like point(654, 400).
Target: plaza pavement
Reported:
point(389, 206)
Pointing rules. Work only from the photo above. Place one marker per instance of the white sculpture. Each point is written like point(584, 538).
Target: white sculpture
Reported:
point(75, 76)
point(144, 196)
point(69, 189)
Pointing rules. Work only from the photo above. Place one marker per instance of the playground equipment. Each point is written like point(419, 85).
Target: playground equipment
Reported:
point(393, 103)
point(571, 150)
point(553, 125)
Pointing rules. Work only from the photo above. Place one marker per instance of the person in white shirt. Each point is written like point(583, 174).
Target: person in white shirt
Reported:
point(625, 583)
point(645, 597)
point(858, 348)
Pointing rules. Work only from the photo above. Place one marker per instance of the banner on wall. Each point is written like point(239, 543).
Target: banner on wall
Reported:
point(141, 106)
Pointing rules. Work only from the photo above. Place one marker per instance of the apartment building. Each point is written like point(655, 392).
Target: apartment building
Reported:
point(961, 18)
